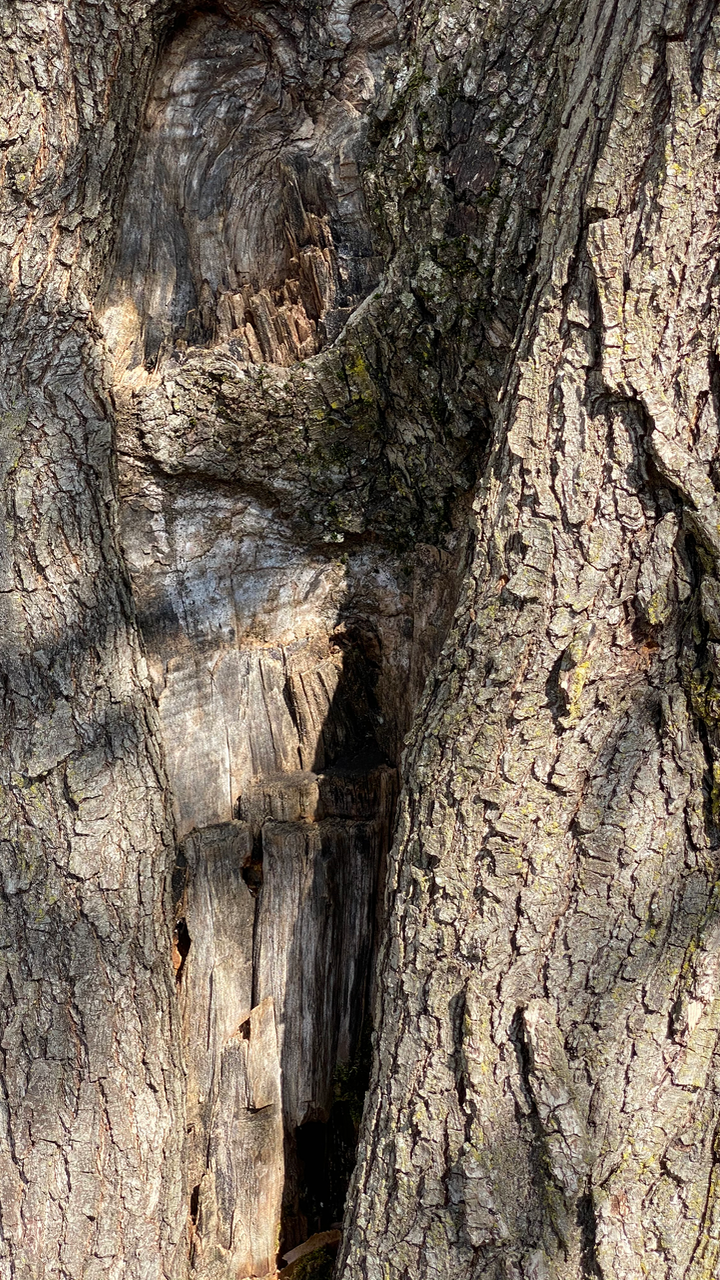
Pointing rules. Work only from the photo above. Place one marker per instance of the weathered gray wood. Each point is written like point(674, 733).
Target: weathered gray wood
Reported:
point(245, 218)
point(248, 622)
point(240, 1194)
point(216, 916)
point(272, 1000)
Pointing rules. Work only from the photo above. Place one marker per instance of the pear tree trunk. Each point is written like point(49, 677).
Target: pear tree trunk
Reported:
point(91, 1117)
point(545, 1100)
point(537, 234)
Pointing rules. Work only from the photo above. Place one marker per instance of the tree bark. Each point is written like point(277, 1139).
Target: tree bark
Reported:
point(523, 292)
point(545, 1098)
point(92, 1116)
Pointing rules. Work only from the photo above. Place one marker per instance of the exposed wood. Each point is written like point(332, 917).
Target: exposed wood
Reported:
point(240, 1194)
point(245, 218)
point(214, 932)
point(278, 987)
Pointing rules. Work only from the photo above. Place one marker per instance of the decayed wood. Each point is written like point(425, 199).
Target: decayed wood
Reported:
point(245, 218)
point(273, 996)
point(234, 1155)
point(240, 1194)
point(214, 939)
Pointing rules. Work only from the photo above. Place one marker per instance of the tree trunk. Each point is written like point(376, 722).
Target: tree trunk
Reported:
point(92, 1116)
point(545, 1099)
point(301, 379)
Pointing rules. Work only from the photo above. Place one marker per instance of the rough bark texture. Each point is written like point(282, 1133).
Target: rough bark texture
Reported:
point(91, 1103)
point(545, 1098)
point(352, 262)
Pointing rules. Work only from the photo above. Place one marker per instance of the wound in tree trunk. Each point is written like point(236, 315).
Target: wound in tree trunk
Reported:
point(295, 542)
point(245, 219)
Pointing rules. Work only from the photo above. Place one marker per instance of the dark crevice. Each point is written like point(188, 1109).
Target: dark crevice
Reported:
point(326, 1150)
point(519, 1043)
point(320, 1152)
point(587, 1223)
point(69, 797)
point(179, 880)
point(714, 371)
point(556, 699)
point(457, 1018)
point(697, 667)
point(252, 871)
point(182, 942)
point(194, 1204)
point(700, 19)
